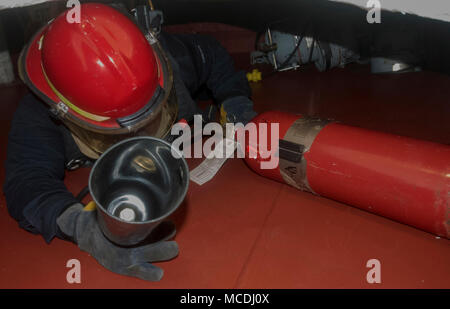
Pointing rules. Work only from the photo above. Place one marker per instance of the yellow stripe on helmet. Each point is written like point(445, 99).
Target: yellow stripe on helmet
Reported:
point(70, 104)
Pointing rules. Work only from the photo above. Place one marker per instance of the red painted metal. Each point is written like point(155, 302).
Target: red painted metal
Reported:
point(285, 121)
point(404, 179)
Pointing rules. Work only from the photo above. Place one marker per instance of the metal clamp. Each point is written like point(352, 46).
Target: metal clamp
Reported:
point(297, 141)
point(60, 109)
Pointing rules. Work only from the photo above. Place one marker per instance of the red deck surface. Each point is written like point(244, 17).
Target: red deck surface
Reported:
point(244, 231)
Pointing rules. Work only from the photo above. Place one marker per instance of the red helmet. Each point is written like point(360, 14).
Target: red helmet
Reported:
point(101, 74)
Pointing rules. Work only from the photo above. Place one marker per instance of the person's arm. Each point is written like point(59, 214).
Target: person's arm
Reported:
point(38, 199)
point(204, 61)
point(35, 165)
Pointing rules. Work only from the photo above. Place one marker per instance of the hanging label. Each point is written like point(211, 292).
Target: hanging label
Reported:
point(211, 165)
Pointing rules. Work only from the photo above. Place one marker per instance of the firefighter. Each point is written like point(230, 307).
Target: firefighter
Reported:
point(93, 84)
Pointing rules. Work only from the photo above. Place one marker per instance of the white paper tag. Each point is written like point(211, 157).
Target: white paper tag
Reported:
point(210, 166)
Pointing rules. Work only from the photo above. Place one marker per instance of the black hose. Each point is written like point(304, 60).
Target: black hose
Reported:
point(80, 196)
point(311, 50)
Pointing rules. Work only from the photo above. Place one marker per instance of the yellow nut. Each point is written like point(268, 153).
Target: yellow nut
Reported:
point(254, 76)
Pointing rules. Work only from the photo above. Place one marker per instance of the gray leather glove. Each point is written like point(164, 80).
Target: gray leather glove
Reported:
point(81, 225)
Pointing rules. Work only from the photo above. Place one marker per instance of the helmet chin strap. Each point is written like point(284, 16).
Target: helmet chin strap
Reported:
point(84, 148)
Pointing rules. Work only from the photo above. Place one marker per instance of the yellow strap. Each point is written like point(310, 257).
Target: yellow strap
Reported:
point(90, 206)
point(223, 116)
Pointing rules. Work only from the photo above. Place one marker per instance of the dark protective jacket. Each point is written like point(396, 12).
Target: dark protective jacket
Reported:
point(39, 146)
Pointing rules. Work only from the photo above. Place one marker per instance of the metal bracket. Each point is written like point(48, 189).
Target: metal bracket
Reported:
point(149, 20)
point(60, 109)
point(151, 38)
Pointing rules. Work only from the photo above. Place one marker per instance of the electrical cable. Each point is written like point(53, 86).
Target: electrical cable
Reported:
point(80, 196)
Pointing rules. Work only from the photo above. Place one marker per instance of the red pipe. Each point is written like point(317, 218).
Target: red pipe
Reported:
point(404, 179)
